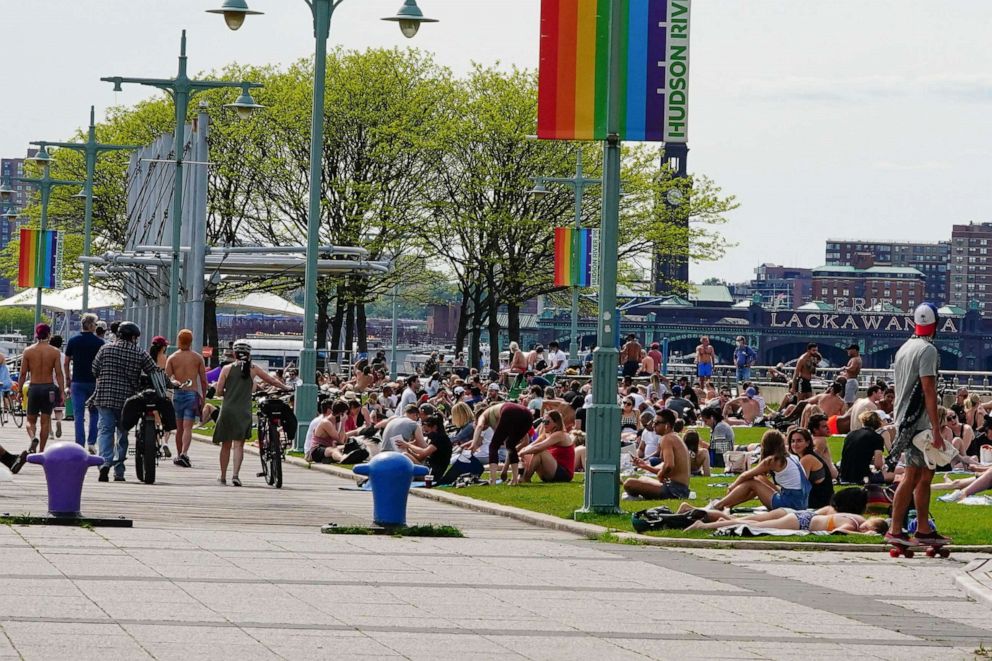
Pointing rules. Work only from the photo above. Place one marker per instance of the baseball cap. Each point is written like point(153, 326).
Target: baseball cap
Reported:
point(751, 392)
point(925, 317)
point(459, 390)
point(42, 331)
point(655, 345)
point(677, 391)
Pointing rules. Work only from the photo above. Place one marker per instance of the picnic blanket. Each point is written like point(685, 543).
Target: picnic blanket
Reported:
point(752, 530)
point(976, 500)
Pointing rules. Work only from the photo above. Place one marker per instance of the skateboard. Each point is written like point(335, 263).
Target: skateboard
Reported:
point(931, 550)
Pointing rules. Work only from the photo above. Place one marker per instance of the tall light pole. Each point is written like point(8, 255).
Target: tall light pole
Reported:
point(45, 184)
point(579, 183)
point(90, 149)
point(392, 354)
point(409, 17)
point(182, 89)
point(602, 485)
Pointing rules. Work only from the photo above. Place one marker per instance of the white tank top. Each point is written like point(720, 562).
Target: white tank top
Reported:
point(790, 477)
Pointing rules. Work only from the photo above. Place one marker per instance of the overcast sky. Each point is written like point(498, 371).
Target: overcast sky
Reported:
point(848, 118)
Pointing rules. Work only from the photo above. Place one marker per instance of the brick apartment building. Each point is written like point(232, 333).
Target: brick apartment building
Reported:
point(971, 266)
point(932, 259)
point(10, 170)
point(838, 285)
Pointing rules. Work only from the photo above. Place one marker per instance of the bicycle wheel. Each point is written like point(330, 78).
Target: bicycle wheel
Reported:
point(17, 415)
point(262, 448)
point(148, 458)
point(274, 451)
point(139, 451)
point(3, 416)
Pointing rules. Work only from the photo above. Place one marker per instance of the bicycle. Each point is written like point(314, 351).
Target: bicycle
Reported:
point(272, 411)
point(148, 437)
point(17, 410)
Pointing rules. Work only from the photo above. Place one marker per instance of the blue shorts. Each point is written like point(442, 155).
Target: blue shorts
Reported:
point(704, 369)
point(796, 499)
point(185, 403)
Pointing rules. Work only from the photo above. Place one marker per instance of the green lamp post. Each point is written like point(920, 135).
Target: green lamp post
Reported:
point(90, 149)
point(579, 183)
point(45, 184)
point(182, 88)
point(602, 484)
point(409, 17)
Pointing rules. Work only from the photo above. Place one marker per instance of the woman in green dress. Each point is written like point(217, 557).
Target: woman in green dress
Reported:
point(234, 426)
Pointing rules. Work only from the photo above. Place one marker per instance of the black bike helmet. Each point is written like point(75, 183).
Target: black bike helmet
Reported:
point(128, 330)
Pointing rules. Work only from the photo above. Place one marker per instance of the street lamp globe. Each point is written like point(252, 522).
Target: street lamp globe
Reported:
point(410, 17)
point(244, 105)
point(234, 12)
point(539, 188)
point(41, 158)
point(6, 192)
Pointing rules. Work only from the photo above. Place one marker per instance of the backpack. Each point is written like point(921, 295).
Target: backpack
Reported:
point(662, 518)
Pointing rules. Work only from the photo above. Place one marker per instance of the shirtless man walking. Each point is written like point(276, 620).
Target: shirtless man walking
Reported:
point(630, 356)
point(186, 366)
point(805, 367)
point(851, 371)
point(705, 358)
point(40, 364)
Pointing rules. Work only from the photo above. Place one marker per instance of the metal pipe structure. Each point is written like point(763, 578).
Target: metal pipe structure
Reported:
point(233, 250)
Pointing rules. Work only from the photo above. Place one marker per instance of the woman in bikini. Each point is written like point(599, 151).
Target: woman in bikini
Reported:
point(806, 520)
point(822, 486)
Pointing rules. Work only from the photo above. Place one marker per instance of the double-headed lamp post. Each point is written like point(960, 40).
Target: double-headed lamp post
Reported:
point(90, 150)
point(409, 18)
point(45, 184)
point(579, 183)
point(182, 88)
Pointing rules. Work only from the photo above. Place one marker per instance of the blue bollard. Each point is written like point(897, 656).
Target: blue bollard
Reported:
point(65, 467)
point(390, 475)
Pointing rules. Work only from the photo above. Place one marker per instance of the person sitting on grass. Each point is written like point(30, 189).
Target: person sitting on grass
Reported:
point(822, 486)
point(863, 450)
point(671, 476)
point(742, 411)
point(649, 443)
point(436, 455)
point(699, 453)
point(791, 485)
point(552, 455)
point(820, 429)
point(849, 524)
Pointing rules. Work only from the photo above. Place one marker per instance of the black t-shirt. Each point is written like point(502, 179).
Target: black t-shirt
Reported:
point(858, 453)
point(678, 405)
point(580, 418)
point(438, 462)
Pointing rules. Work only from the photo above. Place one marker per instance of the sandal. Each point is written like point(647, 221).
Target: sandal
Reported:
point(235, 481)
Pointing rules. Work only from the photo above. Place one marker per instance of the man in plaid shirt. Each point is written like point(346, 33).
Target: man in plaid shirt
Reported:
point(117, 367)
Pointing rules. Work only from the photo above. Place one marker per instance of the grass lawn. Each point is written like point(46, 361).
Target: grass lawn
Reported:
point(966, 524)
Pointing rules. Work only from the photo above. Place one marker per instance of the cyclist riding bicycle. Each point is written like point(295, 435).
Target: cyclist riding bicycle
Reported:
point(6, 383)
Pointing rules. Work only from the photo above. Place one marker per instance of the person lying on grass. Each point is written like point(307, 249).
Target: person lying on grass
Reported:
point(791, 484)
point(671, 476)
point(851, 524)
point(552, 455)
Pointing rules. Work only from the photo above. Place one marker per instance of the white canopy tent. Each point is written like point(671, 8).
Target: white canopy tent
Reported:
point(71, 300)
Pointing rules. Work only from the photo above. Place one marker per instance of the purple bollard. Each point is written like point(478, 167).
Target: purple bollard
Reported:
point(390, 475)
point(65, 467)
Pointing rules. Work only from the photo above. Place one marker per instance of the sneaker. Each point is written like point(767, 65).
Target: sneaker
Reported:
point(119, 478)
point(91, 448)
point(184, 458)
point(901, 539)
point(932, 538)
point(178, 461)
point(34, 446)
point(19, 462)
point(166, 452)
point(952, 497)
point(630, 496)
point(356, 456)
point(58, 429)
point(104, 474)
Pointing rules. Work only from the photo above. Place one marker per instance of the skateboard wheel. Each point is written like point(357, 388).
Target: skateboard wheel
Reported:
point(909, 553)
point(931, 553)
point(944, 553)
point(894, 553)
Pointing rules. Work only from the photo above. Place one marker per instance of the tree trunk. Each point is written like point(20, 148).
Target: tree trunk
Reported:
point(361, 327)
point(211, 336)
point(493, 332)
point(513, 321)
point(476, 319)
point(463, 319)
point(349, 334)
point(336, 327)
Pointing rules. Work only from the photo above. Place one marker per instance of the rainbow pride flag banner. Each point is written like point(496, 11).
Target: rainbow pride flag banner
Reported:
point(572, 81)
point(575, 257)
point(45, 246)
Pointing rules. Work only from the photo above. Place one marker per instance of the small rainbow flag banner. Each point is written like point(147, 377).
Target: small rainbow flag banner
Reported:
point(45, 246)
point(572, 81)
point(575, 257)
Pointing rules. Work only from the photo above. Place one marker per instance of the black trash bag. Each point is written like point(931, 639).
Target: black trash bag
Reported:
point(135, 406)
point(280, 409)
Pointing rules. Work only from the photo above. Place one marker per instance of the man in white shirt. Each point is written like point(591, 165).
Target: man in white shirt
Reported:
point(325, 412)
point(409, 394)
point(557, 359)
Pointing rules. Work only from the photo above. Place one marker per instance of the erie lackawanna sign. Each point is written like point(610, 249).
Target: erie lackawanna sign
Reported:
point(857, 321)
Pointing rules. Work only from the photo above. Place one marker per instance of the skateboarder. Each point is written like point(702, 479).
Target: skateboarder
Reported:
point(915, 370)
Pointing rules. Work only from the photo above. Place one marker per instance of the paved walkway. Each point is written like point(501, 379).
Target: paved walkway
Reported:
point(218, 572)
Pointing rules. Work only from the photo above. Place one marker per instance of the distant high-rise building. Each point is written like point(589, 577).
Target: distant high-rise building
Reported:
point(864, 283)
point(931, 259)
point(971, 266)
